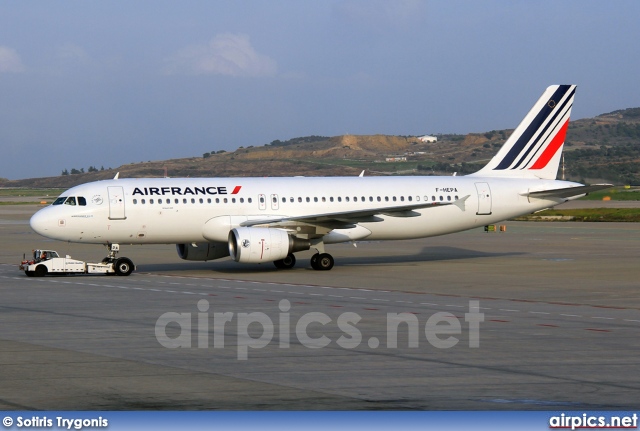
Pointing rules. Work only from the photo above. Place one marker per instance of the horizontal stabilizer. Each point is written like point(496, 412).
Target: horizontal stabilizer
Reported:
point(568, 192)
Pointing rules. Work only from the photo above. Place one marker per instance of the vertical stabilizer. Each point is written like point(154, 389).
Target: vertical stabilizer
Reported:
point(534, 149)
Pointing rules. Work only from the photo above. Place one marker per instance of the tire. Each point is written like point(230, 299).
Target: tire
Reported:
point(29, 273)
point(286, 263)
point(40, 271)
point(314, 261)
point(123, 266)
point(325, 262)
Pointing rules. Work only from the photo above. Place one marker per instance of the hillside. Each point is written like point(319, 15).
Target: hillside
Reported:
point(604, 148)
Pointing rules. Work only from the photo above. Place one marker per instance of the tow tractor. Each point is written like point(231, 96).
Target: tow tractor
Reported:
point(49, 262)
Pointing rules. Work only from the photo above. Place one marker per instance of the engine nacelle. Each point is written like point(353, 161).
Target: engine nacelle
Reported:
point(203, 251)
point(259, 244)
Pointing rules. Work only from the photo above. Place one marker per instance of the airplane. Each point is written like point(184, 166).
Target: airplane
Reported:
point(256, 220)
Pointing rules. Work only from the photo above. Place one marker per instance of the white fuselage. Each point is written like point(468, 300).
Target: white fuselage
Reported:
point(177, 210)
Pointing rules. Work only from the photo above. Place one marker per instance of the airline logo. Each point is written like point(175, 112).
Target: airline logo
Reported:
point(544, 135)
point(184, 191)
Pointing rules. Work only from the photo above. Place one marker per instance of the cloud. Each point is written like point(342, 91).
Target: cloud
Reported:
point(227, 54)
point(10, 61)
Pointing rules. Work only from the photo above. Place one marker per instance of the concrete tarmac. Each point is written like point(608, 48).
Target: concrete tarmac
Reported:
point(559, 305)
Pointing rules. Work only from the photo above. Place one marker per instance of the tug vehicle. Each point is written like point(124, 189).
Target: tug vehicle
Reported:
point(49, 262)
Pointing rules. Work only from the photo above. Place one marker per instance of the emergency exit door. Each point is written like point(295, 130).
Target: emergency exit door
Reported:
point(116, 203)
point(484, 198)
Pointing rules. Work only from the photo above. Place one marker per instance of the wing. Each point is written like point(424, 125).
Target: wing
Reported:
point(568, 192)
point(346, 219)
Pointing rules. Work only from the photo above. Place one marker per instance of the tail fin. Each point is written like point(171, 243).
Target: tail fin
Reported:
point(534, 149)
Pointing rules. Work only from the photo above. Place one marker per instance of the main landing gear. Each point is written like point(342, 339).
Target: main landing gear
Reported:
point(122, 266)
point(320, 261)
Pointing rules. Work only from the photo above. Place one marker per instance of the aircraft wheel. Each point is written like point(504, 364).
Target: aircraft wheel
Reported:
point(40, 271)
point(286, 263)
point(314, 261)
point(324, 262)
point(29, 273)
point(123, 266)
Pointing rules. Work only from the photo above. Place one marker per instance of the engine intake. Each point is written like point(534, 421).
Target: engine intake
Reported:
point(256, 245)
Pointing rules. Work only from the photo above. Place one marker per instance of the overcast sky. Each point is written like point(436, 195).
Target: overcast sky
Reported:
point(106, 83)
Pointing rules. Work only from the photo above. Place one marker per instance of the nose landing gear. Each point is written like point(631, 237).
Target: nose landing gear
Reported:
point(122, 266)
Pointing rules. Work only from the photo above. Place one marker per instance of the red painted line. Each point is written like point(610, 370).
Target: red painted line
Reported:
point(301, 302)
point(212, 294)
point(371, 309)
point(609, 306)
point(597, 330)
point(552, 148)
point(336, 306)
point(522, 300)
point(240, 297)
point(547, 324)
point(564, 303)
point(498, 320)
point(269, 300)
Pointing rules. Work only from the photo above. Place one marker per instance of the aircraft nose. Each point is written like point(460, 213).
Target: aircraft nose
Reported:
point(40, 222)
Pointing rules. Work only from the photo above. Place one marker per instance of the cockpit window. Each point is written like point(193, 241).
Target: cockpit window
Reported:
point(82, 201)
point(71, 201)
point(60, 200)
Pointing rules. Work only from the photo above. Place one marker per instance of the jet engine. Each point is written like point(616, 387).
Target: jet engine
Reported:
point(202, 251)
point(256, 245)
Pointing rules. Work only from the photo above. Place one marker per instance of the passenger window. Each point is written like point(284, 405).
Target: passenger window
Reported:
point(159, 201)
point(331, 199)
point(300, 199)
point(71, 201)
point(379, 199)
point(324, 199)
point(225, 200)
point(386, 198)
point(355, 198)
point(339, 199)
point(395, 199)
point(184, 201)
point(82, 201)
point(261, 200)
point(315, 199)
point(248, 200)
point(135, 201)
point(346, 198)
point(401, 198)
point(201, 200)
point(441, 199)
point(433, 198)
point(208, 200)
point(176, 200)
point(456, 197)
point(233, 200)
point(217, 200)
point(448, 198)
point(193, 201)
point(308, 199)
point(410, 198)
point(143, 201)
point(284, 200)
point(150, 201)
point(241, 200)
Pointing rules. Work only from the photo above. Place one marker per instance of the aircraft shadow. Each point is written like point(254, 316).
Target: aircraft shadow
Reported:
point(427, 254)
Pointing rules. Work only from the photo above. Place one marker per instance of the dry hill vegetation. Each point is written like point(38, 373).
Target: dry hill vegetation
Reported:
point(606, 148)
